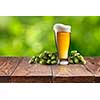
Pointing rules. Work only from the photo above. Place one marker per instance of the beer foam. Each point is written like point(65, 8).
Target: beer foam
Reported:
point(62, 28)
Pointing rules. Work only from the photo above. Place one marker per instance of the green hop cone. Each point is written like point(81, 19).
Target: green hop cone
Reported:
point(53, 62)
point(41, 55)
point(42, 61)
point(81, 59)
point(33, 57)
point(50, 55)
point(71, 61)
point(76, 54)
point(46, 52)
point(45, 57)
point(84, 62)
point(53, 57)
point(76, 61)
point(48, 61)
point(73, 52)
point(37, 59)
point(31, 61)
point(71, 57)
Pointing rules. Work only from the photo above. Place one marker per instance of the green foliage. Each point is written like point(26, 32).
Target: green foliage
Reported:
point(30, 35)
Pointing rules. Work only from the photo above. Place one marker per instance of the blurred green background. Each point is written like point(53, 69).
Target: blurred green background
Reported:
point(30, 35)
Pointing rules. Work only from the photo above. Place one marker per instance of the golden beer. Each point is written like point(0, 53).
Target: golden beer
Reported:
point(62, 36)
point(63, 41)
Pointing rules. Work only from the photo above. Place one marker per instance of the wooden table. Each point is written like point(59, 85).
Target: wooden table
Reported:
point(18, 70)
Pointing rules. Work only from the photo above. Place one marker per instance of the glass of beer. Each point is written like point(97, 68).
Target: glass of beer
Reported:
point(62, 38)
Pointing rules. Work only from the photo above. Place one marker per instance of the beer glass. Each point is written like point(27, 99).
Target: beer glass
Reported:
point(62, 38)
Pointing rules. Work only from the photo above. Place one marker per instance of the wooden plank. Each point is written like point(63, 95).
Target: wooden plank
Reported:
point(31, 79)
point(7, 67)
point(4, 79)
point(71, 73)
point(97, 72)
point(92, 64)
point(26, 72)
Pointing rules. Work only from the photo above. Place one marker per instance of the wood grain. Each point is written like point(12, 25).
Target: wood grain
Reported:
point(32, 72)
point(92, 65)
point(97, 72)
point(7, 67)
point(71, 73)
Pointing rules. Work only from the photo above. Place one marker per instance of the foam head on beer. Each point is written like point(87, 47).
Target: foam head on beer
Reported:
point(62, 36)
point(62, 28)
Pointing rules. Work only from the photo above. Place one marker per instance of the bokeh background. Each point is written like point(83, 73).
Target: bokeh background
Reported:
point(30, 35)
